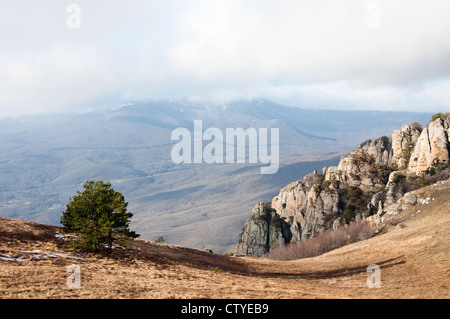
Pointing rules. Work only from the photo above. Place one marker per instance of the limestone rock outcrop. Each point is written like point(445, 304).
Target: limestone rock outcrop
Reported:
point(307, 208)
point(264, 229)
point(403, 142)
point(432, 147)
point(364, 182)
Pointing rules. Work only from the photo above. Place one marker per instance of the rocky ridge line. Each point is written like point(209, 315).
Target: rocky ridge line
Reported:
point(370, 182)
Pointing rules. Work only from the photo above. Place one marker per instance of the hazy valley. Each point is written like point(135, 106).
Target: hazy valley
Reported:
point(44, 160)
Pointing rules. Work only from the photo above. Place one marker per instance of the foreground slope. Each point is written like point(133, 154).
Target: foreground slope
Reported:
point(412, 250)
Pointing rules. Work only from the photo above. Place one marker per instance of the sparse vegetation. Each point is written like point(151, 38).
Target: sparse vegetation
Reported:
point(318, 180)
point(406, 154)
point(386, 143)
point(366, 142)
point(406, 184)
point(267, 210)
point(353, 201)
point(415, 126)
point(160, 240)
point(360, 157)
point(381, 171)
point(398, 178)
point(277, 221)
point(323, 242)
point(326, 184)
point(440, 115)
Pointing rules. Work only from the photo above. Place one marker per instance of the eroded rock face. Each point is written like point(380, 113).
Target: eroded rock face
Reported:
point(306, 207)
point(380, 149)
point(263, 230)
point(367, 176)
point(403, 142)
point(432, 147)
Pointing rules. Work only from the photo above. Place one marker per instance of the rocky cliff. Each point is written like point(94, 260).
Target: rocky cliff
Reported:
point(264, 229)
point(371, 181)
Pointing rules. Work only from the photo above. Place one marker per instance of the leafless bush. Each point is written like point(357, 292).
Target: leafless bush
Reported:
point(359, 230)
point(323, 242)
point(292, 251)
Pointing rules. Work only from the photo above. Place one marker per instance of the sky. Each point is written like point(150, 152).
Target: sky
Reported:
point(64, 56)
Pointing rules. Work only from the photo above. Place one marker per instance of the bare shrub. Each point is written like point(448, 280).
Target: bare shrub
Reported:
point(359, 230)
point(330, 239)
point(323, 242)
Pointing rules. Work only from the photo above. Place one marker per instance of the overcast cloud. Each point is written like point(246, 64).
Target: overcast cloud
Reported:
point(374, 54)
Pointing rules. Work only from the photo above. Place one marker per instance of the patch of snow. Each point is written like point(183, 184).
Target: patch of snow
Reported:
point(67, 256)
point(38, 254)
point(64, 235)
point(7, 258)
point(21, 260)
point(106, 246)
point(425, 201)
point(30, 251)
point(49, 255)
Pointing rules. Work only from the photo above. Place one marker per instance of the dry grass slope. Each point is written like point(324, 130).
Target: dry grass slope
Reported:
point(414, 261)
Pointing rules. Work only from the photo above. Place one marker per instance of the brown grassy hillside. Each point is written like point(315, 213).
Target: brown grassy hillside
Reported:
point(414, 259)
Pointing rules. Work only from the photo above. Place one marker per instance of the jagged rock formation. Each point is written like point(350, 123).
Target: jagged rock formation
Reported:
point(371, 181)
point(264, 229)
point(432, 147)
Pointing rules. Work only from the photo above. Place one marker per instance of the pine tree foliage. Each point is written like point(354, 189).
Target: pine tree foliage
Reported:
point(98, 217)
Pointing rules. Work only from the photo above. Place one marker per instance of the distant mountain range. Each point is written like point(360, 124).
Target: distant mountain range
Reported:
point(44, 160)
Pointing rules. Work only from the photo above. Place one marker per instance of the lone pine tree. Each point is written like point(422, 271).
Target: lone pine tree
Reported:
point(98, 216)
